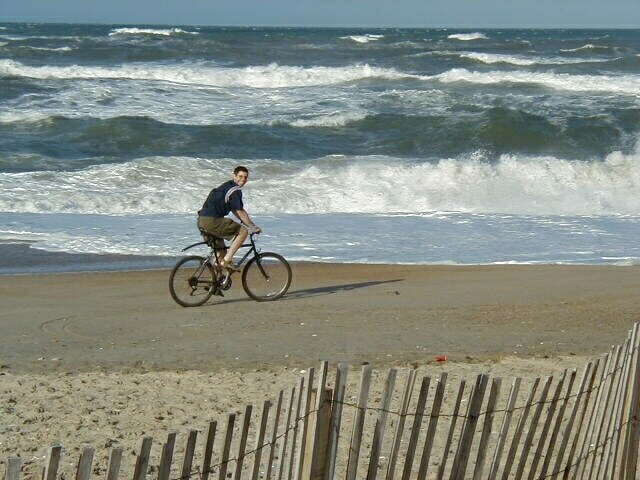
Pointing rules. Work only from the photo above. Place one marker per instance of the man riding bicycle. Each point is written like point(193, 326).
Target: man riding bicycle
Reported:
point(266, 276)
point(212, 218)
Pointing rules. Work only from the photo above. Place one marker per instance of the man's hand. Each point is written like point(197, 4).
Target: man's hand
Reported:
point(244, 218)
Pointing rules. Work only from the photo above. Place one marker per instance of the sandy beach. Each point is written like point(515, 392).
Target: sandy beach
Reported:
point(105, 358)
point(337, 312)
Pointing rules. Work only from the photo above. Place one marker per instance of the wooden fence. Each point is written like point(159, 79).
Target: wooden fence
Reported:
point(577, 426)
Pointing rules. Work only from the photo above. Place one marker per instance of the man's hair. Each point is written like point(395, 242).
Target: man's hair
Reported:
point(239, 169)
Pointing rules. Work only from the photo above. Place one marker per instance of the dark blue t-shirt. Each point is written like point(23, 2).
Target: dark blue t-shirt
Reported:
point(222, 200)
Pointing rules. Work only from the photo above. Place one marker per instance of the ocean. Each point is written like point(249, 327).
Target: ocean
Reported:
point(410, 146)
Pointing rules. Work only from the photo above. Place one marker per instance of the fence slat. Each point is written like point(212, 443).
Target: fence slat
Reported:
point(569, 466)
point(415, 429)
point(53, 462)
point(469, 427)
point(458, 449)
point(115, 460)
point(13, 468)
point(569, 427)
point(296, 427)
point(615, 430)
point(318, 428)
point(603, 410)
point(515, 441)
point(632, 435)
point(189, 451)
point(208, 450)
point(611, 409)
point(356, 434)
point(593, 415)
point(433, 424)
point(625, 419)
point(487, 427)
point(226, 447)
point(274, 436)
point(242, 446)
point(533, 426)
point(504, 429)
point(257, 456)
point(452, 426)
point(556, 427)
point(282, 455)
point(547, 425)
point(142, 462)
point(305, 424)
point(378, 433)
point(618, 452)
point(627, 411)
point(83, 472)
point(164, 471)
point(395, 447)
point(336, 418)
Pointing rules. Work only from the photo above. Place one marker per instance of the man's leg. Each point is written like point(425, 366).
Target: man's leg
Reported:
point(220, 250)
point(236, 244)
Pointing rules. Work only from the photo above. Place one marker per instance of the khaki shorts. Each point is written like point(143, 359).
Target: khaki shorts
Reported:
point(222, 227)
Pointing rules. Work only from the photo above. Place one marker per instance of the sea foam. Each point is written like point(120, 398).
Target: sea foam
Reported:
point(492, 58)
point(629, 84)
point(363, 38)
point(45, 49)
point(150, 31)
point(588, 46)
point(468, 36)
point(262, 76)
point(280, 76)
point(514, 184)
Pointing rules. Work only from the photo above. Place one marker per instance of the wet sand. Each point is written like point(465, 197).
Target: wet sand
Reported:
point(353, 313)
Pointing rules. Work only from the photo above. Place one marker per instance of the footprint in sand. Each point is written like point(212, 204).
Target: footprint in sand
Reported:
point(62, 325)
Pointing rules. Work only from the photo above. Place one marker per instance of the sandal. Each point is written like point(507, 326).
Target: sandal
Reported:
point(228, 264)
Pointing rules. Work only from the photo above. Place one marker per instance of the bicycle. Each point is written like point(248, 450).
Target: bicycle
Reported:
point(194, 279)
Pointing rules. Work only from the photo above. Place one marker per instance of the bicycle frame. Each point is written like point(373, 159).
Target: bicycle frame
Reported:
point(253, 249)
point(257, 280)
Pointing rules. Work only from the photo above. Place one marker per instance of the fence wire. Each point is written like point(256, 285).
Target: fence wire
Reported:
point(565, 398)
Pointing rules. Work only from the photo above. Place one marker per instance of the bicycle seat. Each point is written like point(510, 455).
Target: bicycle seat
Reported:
point(210, 239)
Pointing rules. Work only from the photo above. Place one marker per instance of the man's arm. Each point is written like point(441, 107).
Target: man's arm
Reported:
point(244, 218)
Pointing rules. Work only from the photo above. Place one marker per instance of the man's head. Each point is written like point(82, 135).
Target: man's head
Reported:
point(240, 175)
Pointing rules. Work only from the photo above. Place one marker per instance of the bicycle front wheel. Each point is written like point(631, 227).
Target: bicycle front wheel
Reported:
point(192, 281)
point(266, 277)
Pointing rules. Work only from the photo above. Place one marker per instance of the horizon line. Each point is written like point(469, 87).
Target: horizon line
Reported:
point(330, 27)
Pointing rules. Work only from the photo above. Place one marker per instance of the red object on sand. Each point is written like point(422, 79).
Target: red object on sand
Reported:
point(441, 358)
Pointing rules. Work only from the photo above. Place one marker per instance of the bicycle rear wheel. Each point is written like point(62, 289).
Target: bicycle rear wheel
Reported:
point(266, 277)
point(192, 281)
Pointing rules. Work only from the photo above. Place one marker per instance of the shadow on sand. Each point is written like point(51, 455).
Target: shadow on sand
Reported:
point(310, 292)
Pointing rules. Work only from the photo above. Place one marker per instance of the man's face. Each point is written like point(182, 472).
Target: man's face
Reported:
point(241, 178)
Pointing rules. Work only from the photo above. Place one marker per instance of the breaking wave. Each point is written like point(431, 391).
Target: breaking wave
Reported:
point(493, 58)
point(363, 38)
point(468, 36)
point(150, 31)
point(560, 81)
point(278, 76)
point(267, 76)
point(587, 47)
point(514, 184)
